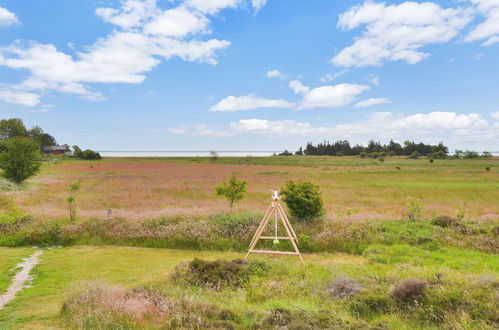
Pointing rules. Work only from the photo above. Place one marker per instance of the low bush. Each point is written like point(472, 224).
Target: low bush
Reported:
point(214, 275)
point(101, 306)
point(342, 287)
point(444, 221)
point(409, 290)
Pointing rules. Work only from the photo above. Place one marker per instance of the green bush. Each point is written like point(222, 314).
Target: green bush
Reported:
point(20, 158)
point(214, 275)
point(444, 221)
point(414, 155)
point(414, 209)
point(304, 199)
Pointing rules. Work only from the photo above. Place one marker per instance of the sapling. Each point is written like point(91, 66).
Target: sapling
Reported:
point(233, 190)
point(73, 189)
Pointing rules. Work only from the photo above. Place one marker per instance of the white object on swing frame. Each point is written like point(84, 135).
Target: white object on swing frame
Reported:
point(278, 212)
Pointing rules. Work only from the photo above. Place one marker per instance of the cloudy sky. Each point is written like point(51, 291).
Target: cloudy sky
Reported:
point(252, 74)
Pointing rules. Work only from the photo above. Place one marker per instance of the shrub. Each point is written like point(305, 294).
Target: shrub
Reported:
point(409, 290)
point(414, 155)
point(214, 275)
point(414, 209)
point(487, 168)
point(13, 219)
point(233, 190)
point(20, 159)
point(342, 287)
point(303, 199)
point(444, 221)
point(363, 154)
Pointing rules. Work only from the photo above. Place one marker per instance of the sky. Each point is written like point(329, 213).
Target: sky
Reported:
point(252, 75)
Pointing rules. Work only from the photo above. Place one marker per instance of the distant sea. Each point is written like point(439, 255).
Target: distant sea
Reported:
point(186, 153)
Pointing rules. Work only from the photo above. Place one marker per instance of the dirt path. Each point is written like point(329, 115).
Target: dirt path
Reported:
point(19, 281)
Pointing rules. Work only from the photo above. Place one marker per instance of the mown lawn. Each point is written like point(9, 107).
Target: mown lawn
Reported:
point(461, 290)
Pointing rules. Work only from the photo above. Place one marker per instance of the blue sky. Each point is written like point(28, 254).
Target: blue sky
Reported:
point(251, 74)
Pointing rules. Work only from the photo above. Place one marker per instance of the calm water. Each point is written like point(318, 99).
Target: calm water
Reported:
point(185, 153)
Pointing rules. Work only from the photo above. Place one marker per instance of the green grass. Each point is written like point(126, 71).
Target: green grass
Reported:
point(9, 258)
point(457, 290)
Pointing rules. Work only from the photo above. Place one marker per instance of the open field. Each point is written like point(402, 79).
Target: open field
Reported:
point(353, 188)
point(122, 271)
point(460, 293)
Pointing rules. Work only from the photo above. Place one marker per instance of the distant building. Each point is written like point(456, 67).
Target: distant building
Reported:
point(56, 150)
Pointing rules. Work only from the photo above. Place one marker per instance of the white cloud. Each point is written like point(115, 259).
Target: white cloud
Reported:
point(274, 74)
point(326, 96)
point(145, 35)
point(298, 87)
point(178, 130)
point(495, 115)
point(332, 76)
point(434, 126)
point(489, 28)
point(397, 32)
point(374, 80)
point(372, 101)
point(258, 4)
point(19, 97)
point(248, 102)
point(7, 18)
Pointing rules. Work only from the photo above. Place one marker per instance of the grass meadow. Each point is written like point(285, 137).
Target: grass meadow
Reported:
point(367, 266)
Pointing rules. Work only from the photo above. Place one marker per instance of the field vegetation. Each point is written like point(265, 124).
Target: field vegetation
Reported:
point(146, 243)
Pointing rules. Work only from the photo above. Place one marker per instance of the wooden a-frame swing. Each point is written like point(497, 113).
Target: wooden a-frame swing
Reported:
point(275, 209)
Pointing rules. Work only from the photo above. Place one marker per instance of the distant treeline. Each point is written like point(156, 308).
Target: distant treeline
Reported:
point(343, 148)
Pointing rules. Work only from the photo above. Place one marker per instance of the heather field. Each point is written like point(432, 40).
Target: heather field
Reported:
point(353, 188)
point(169, 252)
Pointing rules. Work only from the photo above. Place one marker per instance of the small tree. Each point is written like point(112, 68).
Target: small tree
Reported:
point(73, 189)
point(233, 190)
point(20, 158)
point(303, 199)
point(414, 155)
point(213, 156)
point(414, 209)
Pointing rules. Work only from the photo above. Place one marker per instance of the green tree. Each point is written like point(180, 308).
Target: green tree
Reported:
point(20, 158)
point(44, 139)
point(233, 190)
point(303, 198)
point(10, 128)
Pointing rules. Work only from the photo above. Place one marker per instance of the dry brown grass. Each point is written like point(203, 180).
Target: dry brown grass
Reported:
point(151, 188)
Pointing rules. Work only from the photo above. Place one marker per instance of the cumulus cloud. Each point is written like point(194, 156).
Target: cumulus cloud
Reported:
point(144, 35)
point(258, 4)
point(248, 102)
point(451, 127)
point(372, 101)
point(19, 97)
point(274, 74)
point(398, 31)
point(326, 96)
point(7, 18)
point(488, 30)
point(495, 115)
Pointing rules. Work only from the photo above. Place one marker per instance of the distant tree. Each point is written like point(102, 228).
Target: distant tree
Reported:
point(299, 152)
point(20, 158)
point(87, 154)
point(486, 154)
point(214, 156)
point(44, 139)
point(285, 153)
point(233, 190)
point(414, 155)
point(303, 198)
point(363, 154)
point(10, 128)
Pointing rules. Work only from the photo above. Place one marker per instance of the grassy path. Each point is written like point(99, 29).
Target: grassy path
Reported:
point(9, 258)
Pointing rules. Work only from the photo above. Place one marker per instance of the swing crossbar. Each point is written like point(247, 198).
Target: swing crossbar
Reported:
point(274, 237)
point(274, 252)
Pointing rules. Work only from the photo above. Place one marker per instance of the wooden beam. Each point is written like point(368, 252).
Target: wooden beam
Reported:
point(274, 252)
point(273, 237)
